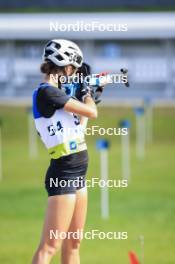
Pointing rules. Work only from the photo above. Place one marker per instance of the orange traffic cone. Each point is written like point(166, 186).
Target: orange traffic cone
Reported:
point(133, 258)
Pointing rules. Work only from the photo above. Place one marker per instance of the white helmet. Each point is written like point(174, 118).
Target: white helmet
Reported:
point(63, 52)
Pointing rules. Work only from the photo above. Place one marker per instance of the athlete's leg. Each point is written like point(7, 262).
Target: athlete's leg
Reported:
point(70, 247)
point(58, 218)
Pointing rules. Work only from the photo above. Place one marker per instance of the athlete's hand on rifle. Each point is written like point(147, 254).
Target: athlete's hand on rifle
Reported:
point(82, 92)
point(94, 84)
point(96, 94)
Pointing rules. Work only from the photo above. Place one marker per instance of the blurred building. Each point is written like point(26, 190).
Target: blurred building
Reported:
point(147, 49)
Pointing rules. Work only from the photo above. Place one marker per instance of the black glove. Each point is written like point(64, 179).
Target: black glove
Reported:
point(83, 92)
point(96, 94)
point(85, 69)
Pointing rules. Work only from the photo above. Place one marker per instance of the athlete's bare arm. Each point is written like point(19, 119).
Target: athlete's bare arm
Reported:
point(87, 109)
point(84, 119)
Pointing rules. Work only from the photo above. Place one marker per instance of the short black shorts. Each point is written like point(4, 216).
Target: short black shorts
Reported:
point(65, 179)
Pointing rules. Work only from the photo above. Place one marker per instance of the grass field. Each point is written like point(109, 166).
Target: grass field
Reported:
point(146, 207)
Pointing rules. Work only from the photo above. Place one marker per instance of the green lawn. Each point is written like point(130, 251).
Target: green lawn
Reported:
point(146, 207)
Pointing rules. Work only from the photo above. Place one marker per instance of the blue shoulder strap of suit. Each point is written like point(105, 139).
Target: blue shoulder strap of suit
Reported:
point(36, 113)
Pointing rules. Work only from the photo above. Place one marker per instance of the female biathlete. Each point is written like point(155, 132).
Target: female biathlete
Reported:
point(55, 113)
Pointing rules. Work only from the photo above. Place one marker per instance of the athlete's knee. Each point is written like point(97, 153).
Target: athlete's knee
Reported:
point(72, 244)
point(75, 243)
point(50, 248)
